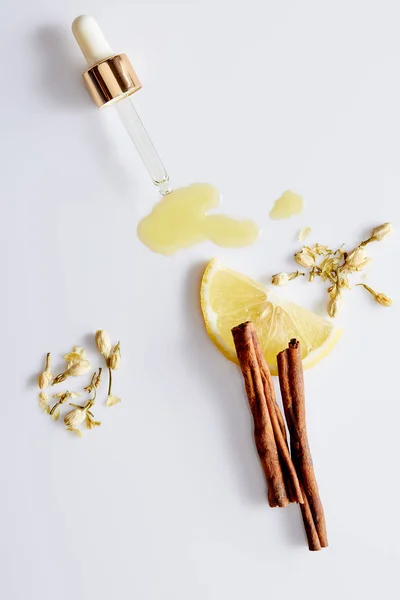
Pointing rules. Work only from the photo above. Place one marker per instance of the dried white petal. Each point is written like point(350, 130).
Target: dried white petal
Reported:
point(76, 355)
point(303, 233)
point(78, 433)
point(328, 265)
point(79, 350)
point(43, 400)
point(72, 358)
point(112, 400)
point(91, 423)
point(56, 414)
point(66, 395)
point(280, 279)
point(103, 343)
point(322, 250)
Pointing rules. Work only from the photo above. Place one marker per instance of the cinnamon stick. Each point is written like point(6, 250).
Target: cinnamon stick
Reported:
point(278, 424)
point(269, 430)
point(291, 382)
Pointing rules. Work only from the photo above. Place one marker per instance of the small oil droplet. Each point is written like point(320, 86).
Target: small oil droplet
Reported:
point(287, 205)
point(181, 220)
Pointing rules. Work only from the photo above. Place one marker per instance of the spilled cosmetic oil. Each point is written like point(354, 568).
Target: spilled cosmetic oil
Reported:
point(287, 205)
point(181, 219)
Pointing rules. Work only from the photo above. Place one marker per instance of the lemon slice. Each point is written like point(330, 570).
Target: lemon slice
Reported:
point(229, 298)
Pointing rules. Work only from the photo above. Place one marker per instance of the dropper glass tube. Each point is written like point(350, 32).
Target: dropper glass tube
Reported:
point(145, 147)
point(111, 79)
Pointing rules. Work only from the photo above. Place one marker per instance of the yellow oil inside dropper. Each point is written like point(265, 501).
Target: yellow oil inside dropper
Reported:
point(180, 219)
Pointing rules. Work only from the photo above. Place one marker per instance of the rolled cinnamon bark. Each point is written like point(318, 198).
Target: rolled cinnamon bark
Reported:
point(270, 441)
point(278, 425)
point(291, 382)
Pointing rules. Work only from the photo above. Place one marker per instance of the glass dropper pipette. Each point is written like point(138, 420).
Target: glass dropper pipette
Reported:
point(111, 79)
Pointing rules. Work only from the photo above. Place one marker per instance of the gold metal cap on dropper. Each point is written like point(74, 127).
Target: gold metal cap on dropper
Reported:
point(110, 77)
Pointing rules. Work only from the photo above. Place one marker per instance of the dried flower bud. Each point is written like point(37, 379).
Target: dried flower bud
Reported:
point(114, 360)
point(76, 369)
point(45, 377)
point(379, 297)
point(304, 259)
point(74, 418)
point(334, 305)
point(77, 416)
point(112, 400)
point(103, 343)
point(381, 232)
point(336, 266)
point(357, 259)
point(79, 368)
point(383, 299)
point(60, 378)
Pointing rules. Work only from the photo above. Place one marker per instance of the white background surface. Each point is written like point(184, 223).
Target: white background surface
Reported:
point(167, 500)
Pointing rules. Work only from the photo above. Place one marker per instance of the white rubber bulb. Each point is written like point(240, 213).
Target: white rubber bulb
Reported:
point(91, 40)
